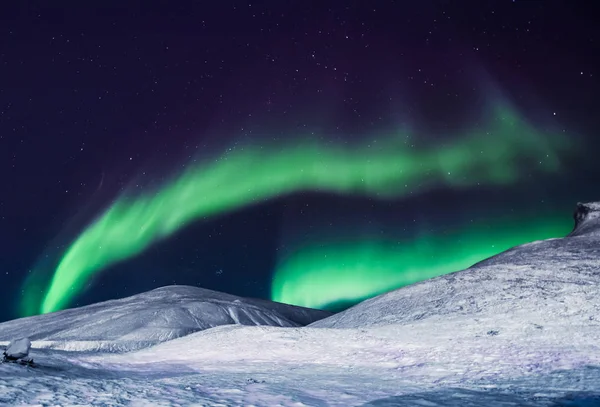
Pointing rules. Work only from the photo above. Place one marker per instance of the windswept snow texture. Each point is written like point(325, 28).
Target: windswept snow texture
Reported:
point(148, 318)
point(519, 329)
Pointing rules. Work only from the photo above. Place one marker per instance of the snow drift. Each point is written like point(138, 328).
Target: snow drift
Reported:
point(148, 318)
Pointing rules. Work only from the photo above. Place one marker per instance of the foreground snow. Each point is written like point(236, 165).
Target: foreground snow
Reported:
point(270, 366)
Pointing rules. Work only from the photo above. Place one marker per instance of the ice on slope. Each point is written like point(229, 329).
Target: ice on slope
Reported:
point(155, 316)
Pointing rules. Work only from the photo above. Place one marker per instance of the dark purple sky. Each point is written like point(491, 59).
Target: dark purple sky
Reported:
point(93, 99)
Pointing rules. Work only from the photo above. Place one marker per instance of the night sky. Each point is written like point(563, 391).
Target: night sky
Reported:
point(316, 153)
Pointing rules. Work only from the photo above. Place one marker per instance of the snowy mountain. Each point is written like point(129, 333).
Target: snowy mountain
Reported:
point(542, 283)
point(519, 329)
point(155, 316)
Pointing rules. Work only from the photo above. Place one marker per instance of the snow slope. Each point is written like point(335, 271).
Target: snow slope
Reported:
point(155, 316)
point(524, 289)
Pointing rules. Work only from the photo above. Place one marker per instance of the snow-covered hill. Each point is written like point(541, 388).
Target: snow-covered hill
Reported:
point(155, 316)
point(524, 289)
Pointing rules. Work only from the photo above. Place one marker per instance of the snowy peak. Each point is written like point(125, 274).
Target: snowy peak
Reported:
point(587, 219)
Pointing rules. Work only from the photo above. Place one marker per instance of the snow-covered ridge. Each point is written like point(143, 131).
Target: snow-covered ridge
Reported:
point(151, 317)
point(522, 289)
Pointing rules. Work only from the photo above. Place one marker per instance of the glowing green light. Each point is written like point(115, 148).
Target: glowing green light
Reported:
point(332, 274)
point(486, 154)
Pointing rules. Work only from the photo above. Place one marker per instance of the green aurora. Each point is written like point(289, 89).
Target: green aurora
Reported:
point(493, 152)
point(343, 273)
